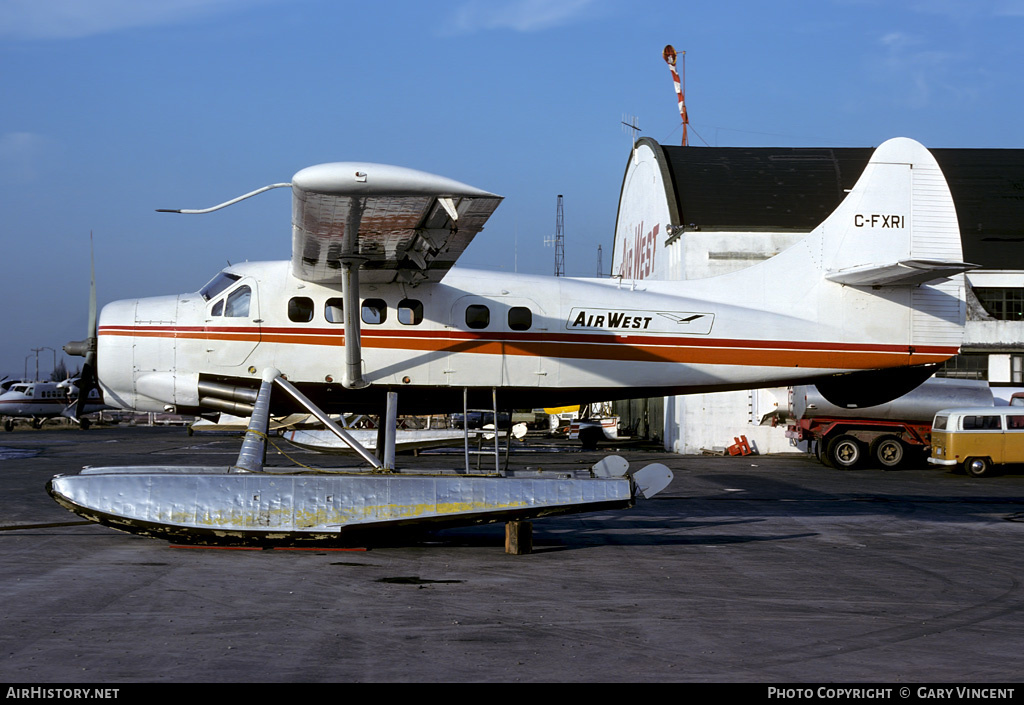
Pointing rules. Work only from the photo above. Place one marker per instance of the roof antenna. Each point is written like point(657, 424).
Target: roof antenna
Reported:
point(631, 126)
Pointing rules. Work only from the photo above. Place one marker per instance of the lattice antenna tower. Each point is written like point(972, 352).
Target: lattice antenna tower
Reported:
point(559, 240)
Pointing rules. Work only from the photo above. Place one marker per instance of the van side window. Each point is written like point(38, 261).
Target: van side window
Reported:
point(300, 309)
point(1015, 422)
point(520, 318)
point(334, 311)
point(410, 312)
point(375, 311)
point(981, 423)
point(477, 316)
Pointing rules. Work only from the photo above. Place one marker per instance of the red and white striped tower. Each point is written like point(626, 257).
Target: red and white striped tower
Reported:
point(669, 54)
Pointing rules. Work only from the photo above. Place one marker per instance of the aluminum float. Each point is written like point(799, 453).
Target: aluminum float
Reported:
point(247, 503)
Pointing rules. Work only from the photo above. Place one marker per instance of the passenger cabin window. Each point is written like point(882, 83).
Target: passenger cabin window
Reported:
point(300, 309)
point(218, 284)
point(477, 316)
point(375, 311)
point(981, 423)
point(1015, 422)
point(520, 318)
point(237, 303)
point(410, 312)
point(334, 311)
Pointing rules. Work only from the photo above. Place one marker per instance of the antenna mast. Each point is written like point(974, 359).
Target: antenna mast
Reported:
point(559, 241)
point(669, 55)
point(600, 267)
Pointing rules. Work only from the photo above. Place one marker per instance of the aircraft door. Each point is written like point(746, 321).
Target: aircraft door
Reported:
point(498, 342)
point(232, 325)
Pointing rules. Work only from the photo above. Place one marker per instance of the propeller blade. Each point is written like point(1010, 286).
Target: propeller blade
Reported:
point(87, 348)
point(92, 299)
point(86, 383)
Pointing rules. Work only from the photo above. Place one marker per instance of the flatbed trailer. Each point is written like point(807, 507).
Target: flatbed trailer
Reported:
point(847, 443)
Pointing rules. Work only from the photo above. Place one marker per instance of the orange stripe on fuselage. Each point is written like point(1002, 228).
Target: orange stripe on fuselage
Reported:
point(590, 346)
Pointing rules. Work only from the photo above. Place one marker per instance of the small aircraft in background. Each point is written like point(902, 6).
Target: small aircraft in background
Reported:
point(40, 401)
point(370, 307)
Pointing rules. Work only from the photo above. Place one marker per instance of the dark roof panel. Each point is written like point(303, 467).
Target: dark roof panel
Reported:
point(779, 189)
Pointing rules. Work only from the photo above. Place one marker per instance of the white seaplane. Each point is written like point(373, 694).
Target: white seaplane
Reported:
point(370, 307)
point(39, 401)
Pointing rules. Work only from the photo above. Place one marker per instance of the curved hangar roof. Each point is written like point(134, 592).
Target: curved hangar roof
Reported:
point(793, 189)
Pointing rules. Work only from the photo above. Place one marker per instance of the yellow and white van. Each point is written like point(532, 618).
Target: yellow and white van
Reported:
point(978, 438)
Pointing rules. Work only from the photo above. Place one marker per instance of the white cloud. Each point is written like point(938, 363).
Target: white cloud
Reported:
point(518, 15)
point(66, 19)
point(917, 72)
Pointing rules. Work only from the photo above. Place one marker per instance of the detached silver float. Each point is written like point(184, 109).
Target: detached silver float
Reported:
point(247, 503)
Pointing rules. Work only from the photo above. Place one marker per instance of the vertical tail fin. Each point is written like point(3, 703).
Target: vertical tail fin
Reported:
point(898, 228)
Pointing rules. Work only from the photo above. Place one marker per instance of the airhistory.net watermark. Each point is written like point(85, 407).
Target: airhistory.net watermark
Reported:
point(62, 693)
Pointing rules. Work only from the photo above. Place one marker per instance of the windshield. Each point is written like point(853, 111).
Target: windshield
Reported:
point(218, 284)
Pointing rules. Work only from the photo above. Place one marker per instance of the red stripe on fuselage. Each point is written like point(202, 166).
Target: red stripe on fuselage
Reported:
point(592, 346)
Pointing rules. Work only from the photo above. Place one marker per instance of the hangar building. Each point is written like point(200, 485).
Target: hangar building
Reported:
point(696, 212)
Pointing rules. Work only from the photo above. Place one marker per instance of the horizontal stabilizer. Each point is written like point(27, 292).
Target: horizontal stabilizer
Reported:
point(908, 272)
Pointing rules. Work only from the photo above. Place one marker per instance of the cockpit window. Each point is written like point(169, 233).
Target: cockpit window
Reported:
point(218, 284)
point(238, 302)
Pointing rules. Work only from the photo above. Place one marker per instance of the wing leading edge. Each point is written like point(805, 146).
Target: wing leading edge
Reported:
point(398, 223)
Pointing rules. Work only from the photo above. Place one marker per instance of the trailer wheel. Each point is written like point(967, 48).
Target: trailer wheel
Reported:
point(845, 452)
point(978, 467)
point(888, 451)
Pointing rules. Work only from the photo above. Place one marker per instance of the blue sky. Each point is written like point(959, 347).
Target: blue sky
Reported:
point(114, 108)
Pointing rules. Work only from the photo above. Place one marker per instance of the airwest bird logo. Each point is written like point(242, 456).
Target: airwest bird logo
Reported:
point(634, 321)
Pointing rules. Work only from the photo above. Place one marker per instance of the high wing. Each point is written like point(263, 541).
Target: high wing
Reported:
point(399, 224)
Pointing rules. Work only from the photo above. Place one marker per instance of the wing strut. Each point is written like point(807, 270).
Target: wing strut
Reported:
point(353, 347)
point(329, 422)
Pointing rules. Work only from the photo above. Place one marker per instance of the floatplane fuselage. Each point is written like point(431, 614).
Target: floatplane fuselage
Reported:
point(536, 340)
point(370, 308)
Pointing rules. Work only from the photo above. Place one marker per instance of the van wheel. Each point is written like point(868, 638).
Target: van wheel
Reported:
point(978, 467)
point(888, 451)
point(845, 452)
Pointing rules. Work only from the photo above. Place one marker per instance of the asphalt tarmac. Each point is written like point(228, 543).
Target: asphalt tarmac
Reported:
point(758, 569)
